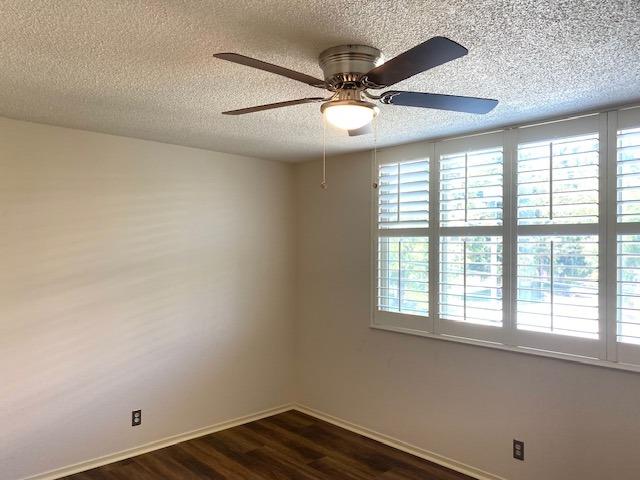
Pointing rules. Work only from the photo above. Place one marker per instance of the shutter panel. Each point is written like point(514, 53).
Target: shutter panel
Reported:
point(628, 244)
point(628, 289)
point(558, 181)
point(470, 247)
point(403, 275)
point(557, 285)
point(403, 195)
point(557, 251)
point(471, 279)
point(402, 272)
point(628, 178)
point(471, 188)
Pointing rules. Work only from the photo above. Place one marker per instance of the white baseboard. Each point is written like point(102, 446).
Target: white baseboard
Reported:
point(182, 437)
point(400, 445)
point(148, 447)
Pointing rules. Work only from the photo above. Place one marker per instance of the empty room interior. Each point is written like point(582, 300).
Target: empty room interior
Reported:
point(320, 240)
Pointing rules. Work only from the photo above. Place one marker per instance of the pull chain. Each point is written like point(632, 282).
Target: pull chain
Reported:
point(374, 175)
point(323, 185)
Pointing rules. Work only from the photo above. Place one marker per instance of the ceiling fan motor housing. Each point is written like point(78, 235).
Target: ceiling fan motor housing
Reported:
point(344, 65)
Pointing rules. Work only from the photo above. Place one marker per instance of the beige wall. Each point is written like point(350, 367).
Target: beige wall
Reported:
point(463, 402)
point(135, 275)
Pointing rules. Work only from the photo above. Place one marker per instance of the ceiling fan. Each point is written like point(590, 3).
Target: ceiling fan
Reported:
point(350, 71)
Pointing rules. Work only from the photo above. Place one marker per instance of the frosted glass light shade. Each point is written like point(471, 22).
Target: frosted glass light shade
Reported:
point(349, 116)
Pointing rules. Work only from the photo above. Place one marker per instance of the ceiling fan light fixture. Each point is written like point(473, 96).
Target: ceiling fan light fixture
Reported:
point(349, 114)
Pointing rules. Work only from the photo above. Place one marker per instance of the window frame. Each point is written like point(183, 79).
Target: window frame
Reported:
point(604, 351)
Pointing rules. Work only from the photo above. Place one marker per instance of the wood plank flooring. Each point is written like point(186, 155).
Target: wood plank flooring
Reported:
point(288, 446)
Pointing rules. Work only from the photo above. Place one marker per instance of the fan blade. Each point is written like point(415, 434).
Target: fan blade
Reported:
point(429, 54)
point(269, 106)
point(440, 102)
point(270, 67)
point(367, 129)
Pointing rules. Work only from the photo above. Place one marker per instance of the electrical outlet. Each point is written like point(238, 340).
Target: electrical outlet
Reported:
point(518, 449)
point(136, 418)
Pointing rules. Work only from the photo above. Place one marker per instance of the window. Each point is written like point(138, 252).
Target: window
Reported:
point(526, 239)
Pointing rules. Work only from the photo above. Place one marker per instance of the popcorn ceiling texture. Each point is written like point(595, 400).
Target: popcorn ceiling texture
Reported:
point(144, 68)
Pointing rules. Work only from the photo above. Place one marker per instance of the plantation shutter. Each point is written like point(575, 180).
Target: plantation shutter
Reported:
point(402, 243)
point(558, 275)
point(470, 237)
point(627, 288)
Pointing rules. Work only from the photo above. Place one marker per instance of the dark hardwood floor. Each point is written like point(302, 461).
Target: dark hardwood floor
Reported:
point(290, 445)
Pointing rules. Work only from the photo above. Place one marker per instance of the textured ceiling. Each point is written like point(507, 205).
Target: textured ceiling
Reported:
point(144, 68)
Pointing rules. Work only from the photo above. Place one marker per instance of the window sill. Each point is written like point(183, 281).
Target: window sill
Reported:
point(515, 349)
